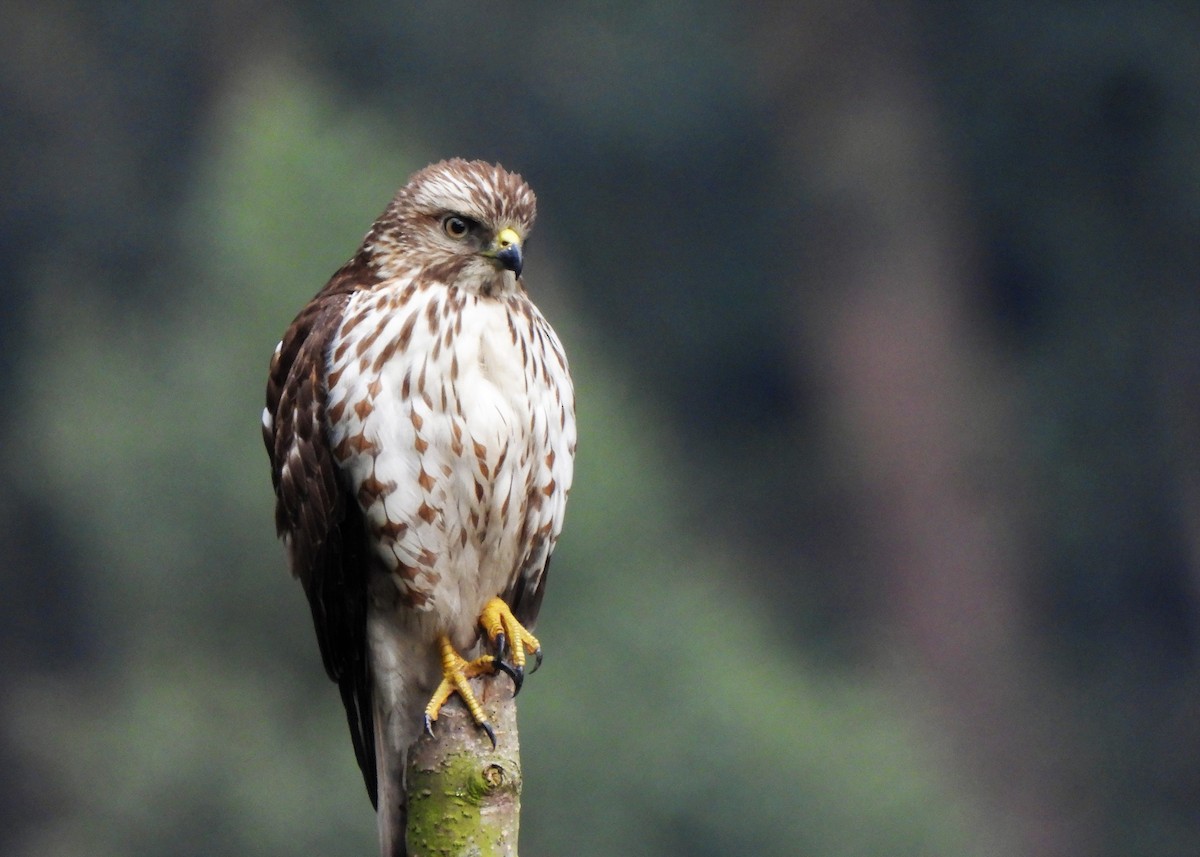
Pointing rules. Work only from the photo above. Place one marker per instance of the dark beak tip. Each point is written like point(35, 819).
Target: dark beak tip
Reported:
point(510, 258)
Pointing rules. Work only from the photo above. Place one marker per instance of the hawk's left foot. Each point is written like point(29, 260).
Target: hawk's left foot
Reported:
point(505, 631)
point(455, 672)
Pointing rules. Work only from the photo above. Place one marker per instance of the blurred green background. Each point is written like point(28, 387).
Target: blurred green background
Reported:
point(885, 323)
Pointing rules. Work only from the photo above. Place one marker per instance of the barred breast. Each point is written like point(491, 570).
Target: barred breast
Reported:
point(451, 416)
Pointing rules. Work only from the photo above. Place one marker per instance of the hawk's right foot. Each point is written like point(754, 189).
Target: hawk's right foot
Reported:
point(456, 670)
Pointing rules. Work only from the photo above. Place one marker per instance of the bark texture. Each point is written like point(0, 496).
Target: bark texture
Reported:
point(464, 796)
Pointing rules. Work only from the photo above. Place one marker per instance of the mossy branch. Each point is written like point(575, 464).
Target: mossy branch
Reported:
point(464, 796)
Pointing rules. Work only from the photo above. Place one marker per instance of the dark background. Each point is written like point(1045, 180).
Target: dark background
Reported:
point(885, 322)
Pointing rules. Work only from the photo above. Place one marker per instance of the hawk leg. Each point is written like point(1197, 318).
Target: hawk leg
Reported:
point(505, 631)
point(455, 671)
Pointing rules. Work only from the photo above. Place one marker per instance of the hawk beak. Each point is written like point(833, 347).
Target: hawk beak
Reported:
point(506, 250)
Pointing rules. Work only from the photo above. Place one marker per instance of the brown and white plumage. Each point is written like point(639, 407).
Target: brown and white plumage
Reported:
point(421, 428)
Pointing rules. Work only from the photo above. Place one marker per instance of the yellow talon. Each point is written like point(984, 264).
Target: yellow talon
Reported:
point(505, 632)
point(455, 672)
point(502, 627)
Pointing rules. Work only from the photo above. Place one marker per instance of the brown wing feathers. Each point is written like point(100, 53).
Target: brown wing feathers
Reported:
point(322, 528)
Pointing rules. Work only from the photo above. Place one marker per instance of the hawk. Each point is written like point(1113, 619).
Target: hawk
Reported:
point(420, 423)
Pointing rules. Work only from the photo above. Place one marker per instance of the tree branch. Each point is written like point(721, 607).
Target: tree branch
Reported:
point(464, 797)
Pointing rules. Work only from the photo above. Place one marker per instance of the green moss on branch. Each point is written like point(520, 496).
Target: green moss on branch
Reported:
point(464, 797)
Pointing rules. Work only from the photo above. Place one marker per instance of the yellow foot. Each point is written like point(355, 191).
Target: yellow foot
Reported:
point(505, 631)
point(455, 672)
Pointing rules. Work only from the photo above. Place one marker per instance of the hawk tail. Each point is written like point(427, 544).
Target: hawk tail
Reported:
point(391, 810)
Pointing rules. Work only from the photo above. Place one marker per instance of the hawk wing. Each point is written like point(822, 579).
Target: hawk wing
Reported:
point(319, 521)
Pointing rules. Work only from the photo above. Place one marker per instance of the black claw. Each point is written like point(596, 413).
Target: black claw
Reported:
point(515, 673)
point(500, 642)
point(537, 660)
point(428, 726)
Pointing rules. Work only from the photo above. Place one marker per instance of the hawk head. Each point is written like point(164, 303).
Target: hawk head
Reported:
point(460, 222)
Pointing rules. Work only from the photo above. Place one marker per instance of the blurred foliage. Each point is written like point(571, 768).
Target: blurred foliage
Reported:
point(666, 720)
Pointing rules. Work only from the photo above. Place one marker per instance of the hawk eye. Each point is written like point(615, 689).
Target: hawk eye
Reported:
point(455, 226)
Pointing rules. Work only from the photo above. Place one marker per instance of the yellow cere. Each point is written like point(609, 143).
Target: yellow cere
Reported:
point(507, 237)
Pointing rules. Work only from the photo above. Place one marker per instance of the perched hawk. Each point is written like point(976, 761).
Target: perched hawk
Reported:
point(421, 426)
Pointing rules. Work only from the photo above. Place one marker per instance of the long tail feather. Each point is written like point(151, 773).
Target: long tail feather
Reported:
point(389, 766)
